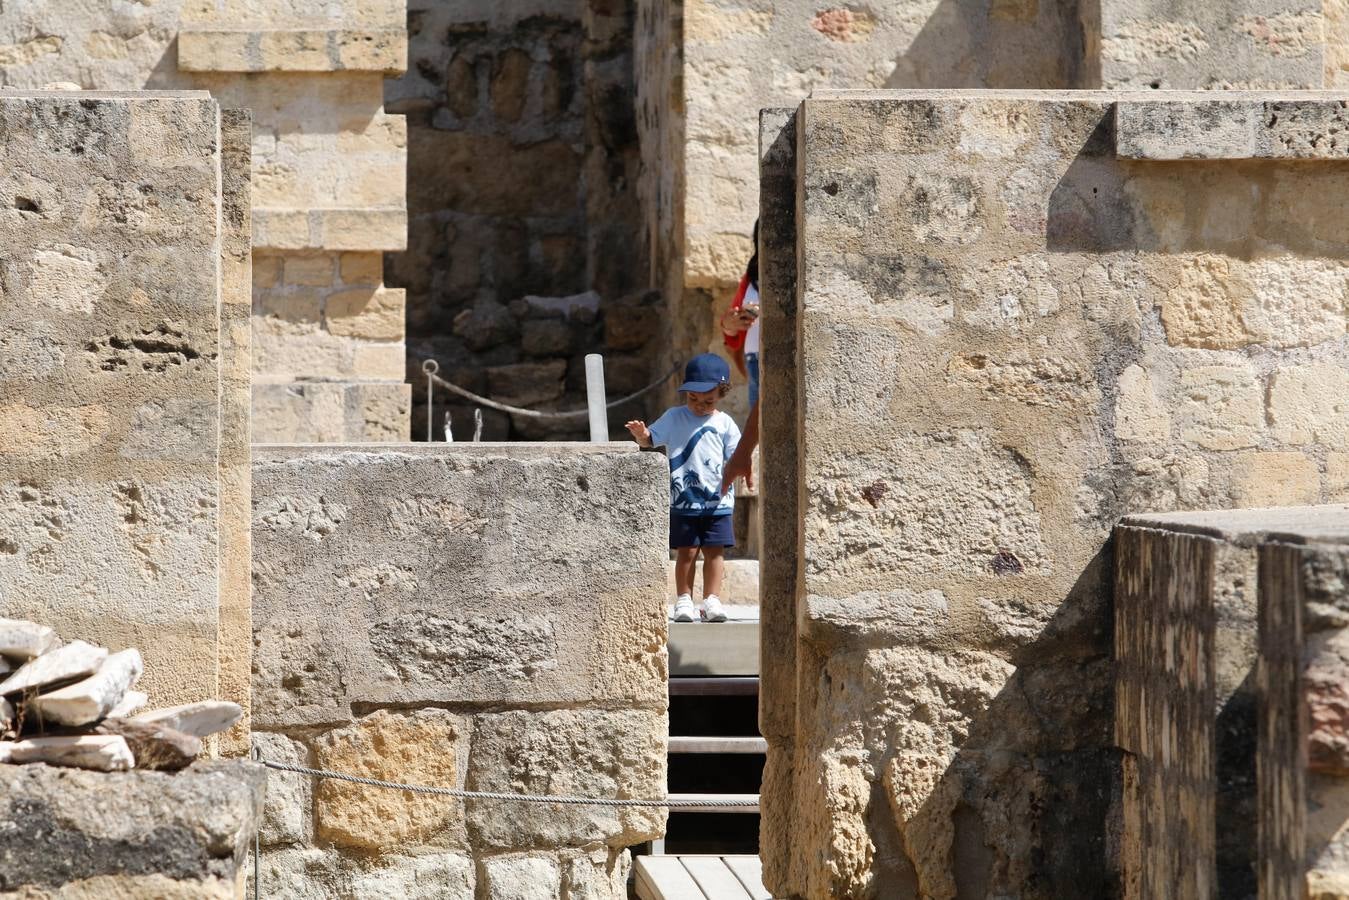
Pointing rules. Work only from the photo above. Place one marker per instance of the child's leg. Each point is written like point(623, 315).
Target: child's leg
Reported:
point(686, 561)
point(714, 564)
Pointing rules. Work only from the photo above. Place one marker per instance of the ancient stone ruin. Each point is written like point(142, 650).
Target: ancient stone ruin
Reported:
point(1055, 442)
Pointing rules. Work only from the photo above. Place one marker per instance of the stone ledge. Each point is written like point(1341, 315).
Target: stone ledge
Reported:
point(333, 228)
point(292, 50)
point(189, 830)
point(1233, 129)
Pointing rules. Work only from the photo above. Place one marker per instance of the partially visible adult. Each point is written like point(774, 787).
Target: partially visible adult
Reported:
point(740, 324)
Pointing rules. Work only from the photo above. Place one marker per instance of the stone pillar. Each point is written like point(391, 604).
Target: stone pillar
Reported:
point(485, 616)
point(1019, 319)
point(328, 187)
point(120, 366)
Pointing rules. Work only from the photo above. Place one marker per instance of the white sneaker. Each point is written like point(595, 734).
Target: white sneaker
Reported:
point(683, 611)
point(712, 611)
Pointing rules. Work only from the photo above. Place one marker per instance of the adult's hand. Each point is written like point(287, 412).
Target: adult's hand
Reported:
point(741, 463)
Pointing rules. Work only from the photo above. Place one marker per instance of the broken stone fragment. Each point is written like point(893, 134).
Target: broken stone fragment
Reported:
point(93, 698)
point(103, 753)
point(5, 666)
point(154, 746)
point(24, 640)
point(74, 660)
point(6, 717)
point(133, 701)
point(201, 719)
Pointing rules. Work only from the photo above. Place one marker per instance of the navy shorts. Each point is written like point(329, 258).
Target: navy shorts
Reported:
point(701, 531)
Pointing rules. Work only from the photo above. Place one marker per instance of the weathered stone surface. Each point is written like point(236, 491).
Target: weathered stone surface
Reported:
point(184, 834)
point(154, 746)
point(74, 660)
point(601, 875)
point(103, 753)
point(91, 699)
point(582, 753)
point(428, 876)
point(288, 815)
point(201, 719)
point(993, 273)
point(113, 260)
point(422, 747)
point(21, 640)
point(402, 540)
point(522, 878)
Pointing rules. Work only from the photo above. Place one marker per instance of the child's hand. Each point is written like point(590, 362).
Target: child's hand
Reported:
point(637, 428)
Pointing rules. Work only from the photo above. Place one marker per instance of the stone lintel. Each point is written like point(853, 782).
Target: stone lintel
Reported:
point(1285, 129)
point(333, 228)
point(293, 50)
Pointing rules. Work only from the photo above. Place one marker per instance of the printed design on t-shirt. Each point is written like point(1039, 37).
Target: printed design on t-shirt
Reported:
point(687, 490)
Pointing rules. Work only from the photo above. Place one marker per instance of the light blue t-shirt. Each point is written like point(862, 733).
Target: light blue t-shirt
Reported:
point(698, 448)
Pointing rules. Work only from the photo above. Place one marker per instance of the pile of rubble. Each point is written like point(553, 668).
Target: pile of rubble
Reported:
point(72, 705)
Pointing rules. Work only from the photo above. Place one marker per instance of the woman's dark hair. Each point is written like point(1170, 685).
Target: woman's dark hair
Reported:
point(752, 270)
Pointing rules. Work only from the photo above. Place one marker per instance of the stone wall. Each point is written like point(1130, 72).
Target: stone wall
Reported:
point(123, 516)
point(328, 177)
point(490, 617)
point(1246, 45)
point(1229, 639)
point(1017, 320)
point(707, 67)
point(523, 160)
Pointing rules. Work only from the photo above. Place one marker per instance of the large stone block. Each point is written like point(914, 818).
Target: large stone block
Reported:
point(406, 541)
point(579, 753)
point(95, 834)
point(121, 498)
point(423, 747)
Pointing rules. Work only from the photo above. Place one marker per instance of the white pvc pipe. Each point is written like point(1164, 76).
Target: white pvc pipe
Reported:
point(595, 399)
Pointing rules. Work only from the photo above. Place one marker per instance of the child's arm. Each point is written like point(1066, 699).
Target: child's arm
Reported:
point(640, 433)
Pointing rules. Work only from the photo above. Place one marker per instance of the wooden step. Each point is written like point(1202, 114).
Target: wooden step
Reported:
point(725, 648)
point(718, 745)
point(699, 877)
point(714, 687)
point(748, 810)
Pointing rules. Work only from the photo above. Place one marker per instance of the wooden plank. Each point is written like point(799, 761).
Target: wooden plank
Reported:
point(718, 745)
point(665, 878)
point(750, 872)
point(708, 687)
point(716, 880)
point(675, 798)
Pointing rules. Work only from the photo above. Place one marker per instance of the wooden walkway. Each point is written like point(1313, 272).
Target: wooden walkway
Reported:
point(700, 878)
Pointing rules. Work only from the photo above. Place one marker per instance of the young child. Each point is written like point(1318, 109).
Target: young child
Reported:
point(698, 440)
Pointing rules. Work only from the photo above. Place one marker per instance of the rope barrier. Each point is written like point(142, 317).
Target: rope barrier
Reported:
point(497, 795)
point(430, 367)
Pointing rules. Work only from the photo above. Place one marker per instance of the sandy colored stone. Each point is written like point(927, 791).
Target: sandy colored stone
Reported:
point(309, 269)
point(1275, 479)
point(201, 719)
point(418, 748)
point(1139, 413)
point(287, 816)
point(1221, 407)
point(154, 747)
point(522, 878)
point(1310, 404)
point(369, 314)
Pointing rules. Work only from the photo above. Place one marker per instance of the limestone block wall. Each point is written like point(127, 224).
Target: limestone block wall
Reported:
point(1230, 701)
point(486, 616)
point(1013, 327)
point(523, 157)
point(329, 193)
point(123, 371)
point(706, 68)
point(1246, 45)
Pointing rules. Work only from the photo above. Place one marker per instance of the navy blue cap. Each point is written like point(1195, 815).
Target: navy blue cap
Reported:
point(705, 372)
